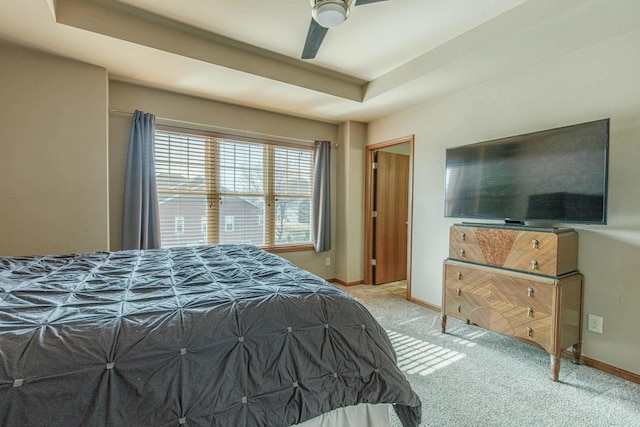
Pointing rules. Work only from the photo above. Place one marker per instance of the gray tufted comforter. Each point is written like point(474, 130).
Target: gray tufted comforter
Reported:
point(224, 335)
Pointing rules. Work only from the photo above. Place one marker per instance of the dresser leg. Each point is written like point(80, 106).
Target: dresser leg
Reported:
point(577, 350)
point(443, 322)
point(555, 366)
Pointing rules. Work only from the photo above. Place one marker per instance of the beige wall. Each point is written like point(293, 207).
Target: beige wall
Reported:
point(53, 161)
point(596, 82)
point(183, 110)
point(350, 201)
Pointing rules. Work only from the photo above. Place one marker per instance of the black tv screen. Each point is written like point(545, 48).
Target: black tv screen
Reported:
point(556, 175)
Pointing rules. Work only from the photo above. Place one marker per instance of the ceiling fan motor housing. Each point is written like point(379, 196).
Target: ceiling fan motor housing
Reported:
point(329, 13)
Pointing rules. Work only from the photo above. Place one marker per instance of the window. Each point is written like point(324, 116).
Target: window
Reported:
point(232, 190)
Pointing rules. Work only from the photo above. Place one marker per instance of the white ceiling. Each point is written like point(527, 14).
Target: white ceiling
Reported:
point(386, 57)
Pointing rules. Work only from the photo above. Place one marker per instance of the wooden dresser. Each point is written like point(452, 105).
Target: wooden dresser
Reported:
point(517, 281)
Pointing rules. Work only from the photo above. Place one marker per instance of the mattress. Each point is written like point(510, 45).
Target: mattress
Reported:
point(197, 336)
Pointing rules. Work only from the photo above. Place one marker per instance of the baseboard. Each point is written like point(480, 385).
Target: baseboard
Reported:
point(630, 376)
point(425, 304)
point(340, 282)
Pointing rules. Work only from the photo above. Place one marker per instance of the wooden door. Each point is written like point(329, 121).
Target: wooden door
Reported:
point(391, 201)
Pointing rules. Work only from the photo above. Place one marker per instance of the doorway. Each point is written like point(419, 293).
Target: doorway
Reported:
point(388, 206)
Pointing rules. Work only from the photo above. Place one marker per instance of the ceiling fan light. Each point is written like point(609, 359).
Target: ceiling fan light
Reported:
point(330, 13)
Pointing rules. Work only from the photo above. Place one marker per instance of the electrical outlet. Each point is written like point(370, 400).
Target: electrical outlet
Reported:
point(595, 323)
point(327, 261)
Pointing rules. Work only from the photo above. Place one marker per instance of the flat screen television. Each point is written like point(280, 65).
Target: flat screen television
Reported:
point(553, 176)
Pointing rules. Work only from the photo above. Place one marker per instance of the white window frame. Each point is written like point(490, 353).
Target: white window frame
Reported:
point(214, 195)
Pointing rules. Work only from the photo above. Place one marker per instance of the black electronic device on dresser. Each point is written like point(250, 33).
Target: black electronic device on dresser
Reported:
point(551, 176)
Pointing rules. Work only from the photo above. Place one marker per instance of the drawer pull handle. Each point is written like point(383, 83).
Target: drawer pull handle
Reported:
point(461, 252)
point(534, 244)
point(459, 275)
point(534, 264)
point(529, 331)
point(529, 311)
point(462, 235)
point(458, 291)
point(529, 292)
point(458, 308)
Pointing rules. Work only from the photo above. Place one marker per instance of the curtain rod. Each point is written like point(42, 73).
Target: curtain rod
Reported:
point(237, 132)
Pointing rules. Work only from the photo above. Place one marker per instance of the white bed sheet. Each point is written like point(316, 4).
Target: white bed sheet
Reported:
point(363, 415)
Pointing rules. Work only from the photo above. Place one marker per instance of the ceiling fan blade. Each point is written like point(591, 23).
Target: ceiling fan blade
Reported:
point(314, 40)
point(361, 2)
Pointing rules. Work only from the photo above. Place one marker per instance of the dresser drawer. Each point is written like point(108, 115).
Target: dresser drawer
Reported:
point(467, 309)
point(463, 245)
point(538, 331)
point(536, 240)
point(522, 291)
point(466, 252)
point(547, 253)
point(467, 293)
point(461, 234)
point(532, 261)
point(516, 322)
point(466, 278)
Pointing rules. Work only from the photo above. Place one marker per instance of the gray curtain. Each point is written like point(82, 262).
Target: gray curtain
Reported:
point(140, 216)
point(322, 197)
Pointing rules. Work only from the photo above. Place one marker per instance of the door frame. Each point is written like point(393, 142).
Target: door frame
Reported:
point(368, 207)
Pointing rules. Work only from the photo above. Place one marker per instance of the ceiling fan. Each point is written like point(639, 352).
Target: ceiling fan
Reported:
point(324, 15)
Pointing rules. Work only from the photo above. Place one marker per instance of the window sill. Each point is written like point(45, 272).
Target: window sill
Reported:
point(292, 248)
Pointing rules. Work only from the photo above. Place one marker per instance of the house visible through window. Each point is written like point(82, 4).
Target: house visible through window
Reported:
point(229, 223)
point(230, 190)
point(179, 225)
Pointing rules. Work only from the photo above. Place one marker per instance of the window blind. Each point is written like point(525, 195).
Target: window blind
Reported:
point(220, 189)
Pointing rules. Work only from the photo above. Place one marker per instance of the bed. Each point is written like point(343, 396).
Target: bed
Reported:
point(225, 335)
